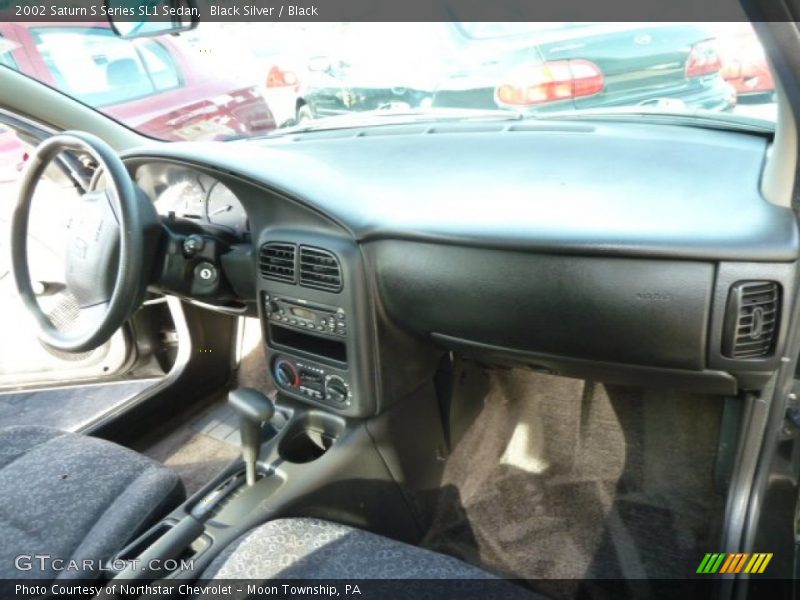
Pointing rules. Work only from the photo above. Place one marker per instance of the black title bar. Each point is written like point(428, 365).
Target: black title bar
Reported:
point(398, 10)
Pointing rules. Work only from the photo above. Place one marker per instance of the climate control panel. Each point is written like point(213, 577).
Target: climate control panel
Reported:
point(312, 380)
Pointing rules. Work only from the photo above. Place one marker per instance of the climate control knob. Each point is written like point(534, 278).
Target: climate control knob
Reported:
point(285, 373)
point(336, 389)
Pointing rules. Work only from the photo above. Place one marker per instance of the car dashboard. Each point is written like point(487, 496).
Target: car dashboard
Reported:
point(620, 252)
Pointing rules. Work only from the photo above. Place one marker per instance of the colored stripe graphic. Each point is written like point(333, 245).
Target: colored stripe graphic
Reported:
point(703, 564)
point(726, 565)
point(763, 563)
point(734, 563)
point(710, 563)
point(740, 563)
point(754, 564)
point(729, 562)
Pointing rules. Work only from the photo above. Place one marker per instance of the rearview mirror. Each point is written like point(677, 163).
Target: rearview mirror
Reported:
point(148, 18)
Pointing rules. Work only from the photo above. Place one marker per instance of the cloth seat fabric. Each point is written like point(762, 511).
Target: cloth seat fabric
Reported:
point(302, 548)
point(72, 497)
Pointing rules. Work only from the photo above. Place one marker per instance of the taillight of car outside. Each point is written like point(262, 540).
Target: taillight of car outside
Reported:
point(703, 60)
point(551, 81)
point(277, 77)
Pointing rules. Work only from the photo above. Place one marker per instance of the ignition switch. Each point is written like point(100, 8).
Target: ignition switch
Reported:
point(206, 272)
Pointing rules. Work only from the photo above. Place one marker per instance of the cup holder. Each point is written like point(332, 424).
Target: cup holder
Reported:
point(310, 437)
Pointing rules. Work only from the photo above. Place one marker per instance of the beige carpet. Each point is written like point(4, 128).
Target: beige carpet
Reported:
point(564, 479)
point(195, 457)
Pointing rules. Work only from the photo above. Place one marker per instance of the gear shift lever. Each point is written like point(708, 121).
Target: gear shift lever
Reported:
point(253, 408)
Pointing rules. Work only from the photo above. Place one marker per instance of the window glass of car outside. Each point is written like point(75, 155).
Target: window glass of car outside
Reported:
point(266, 78)
point(97, 67)
point(6, 56)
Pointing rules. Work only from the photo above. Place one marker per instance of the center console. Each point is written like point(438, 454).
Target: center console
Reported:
point(315, 320)
point(316, 456)
point(306, 462)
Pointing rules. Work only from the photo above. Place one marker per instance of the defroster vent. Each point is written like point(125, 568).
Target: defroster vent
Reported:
point(319, 269)
point(751, 320)
point(276, 261)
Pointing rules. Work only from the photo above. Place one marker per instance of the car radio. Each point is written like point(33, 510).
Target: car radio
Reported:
point(300, 314)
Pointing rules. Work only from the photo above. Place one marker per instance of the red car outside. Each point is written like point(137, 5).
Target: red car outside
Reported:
point(152, 85)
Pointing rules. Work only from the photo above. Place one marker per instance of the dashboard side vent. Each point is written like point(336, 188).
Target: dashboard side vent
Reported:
point(751, 320)
point(320, 269)
point(276, 261)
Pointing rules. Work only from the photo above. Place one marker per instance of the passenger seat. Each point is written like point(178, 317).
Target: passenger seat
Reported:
point(302, 548)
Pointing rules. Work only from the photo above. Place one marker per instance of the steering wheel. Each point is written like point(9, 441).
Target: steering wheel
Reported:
point(111, 244)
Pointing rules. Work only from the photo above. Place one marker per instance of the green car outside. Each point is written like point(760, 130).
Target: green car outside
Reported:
point(545, 67)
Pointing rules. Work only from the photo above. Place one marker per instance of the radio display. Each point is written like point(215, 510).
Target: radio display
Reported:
point(302, 313)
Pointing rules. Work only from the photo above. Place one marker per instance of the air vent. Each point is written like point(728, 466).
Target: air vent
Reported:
point(751, 320)
point(276, 262)
point(319, 269)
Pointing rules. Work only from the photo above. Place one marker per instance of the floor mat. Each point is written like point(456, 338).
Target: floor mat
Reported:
point(221, 423)
point(564, 479)
point(196, 457)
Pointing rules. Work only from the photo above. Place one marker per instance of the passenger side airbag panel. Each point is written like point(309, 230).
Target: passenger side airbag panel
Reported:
point(616, 310)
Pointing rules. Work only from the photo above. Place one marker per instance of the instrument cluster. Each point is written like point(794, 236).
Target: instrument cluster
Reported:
point(198, 197)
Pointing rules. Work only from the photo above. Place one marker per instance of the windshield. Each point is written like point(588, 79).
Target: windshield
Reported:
point(233, 80)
